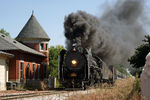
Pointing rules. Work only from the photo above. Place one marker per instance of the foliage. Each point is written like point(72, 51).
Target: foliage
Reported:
point(4, 32)
point(53, 59)
point(136, 91)
point(121, 69)
point(21, 88)
point(125, 89)
point(138, 59)
point(44, 85)
point(136, 85)
point(24, 87)
point(134, 71)
point(58, 85)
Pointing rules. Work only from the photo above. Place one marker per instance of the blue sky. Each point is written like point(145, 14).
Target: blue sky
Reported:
point(49, 13)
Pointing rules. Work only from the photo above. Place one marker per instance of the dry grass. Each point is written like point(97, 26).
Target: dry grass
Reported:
point(125, 89)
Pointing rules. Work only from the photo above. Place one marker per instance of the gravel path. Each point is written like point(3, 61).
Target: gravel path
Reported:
point(59, 96)
point(51, 95)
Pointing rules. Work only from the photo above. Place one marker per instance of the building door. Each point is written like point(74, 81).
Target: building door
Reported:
point(2, 74)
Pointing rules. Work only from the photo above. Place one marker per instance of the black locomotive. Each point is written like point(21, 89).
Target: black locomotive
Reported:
point(78, 68)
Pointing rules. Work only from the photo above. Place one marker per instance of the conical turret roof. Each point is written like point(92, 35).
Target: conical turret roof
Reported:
point(32, 31)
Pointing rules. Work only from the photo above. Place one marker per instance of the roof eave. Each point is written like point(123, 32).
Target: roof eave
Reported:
point(24, 39)
point(7, 54)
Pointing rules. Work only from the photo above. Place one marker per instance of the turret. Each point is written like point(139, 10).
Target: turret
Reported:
point(33, 36)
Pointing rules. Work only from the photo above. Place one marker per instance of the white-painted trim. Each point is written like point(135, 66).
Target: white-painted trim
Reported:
point(33, 63)
point(22, 61)
point(7, 72)
point(40, 46)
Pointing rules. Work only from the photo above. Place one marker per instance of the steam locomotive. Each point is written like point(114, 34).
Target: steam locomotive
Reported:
point(79, 68)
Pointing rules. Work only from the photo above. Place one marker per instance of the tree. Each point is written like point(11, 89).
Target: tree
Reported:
point(137, 61)
point(122, 69)
point(53, 59)
point(4, 32)
point(135, 71)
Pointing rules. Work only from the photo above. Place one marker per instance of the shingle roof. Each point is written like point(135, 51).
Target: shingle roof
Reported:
point(32, 30)
point(5, 53)
point(6, 43)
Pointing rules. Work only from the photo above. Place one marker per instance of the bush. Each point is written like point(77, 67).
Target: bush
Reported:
point(44, 85)
point(21, 88)
point(58, 85)
point(136, 85)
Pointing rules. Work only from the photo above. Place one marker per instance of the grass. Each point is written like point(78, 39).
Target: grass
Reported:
point(125, 89)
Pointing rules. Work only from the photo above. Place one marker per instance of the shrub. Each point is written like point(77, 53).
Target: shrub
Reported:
point(44, 85)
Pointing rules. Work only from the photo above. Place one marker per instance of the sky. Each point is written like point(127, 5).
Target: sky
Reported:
point(49, 13)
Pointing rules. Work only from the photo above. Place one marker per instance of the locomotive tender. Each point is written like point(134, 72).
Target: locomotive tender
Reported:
point(78, 68)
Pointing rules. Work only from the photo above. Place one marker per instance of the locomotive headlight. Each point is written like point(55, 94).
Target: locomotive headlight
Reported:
point(74, 63)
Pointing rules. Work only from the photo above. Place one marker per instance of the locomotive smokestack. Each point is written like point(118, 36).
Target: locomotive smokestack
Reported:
point(114, 36)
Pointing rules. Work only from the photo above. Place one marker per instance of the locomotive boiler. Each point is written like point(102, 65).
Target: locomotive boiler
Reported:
point(79, 68)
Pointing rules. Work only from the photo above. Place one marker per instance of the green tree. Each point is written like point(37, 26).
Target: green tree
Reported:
point(137, 61)
point(122, 69)
point(53, 59)
point(135, 71)
point(4, 32)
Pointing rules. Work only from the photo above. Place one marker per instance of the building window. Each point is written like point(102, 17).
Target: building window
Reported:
point(33, 71)
point(28, 72)
point(46, 46)
point(38, 72)
point(42, 46)
point(45, 71)
point(21, 70)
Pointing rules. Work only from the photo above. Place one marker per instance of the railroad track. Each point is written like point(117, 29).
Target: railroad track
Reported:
point(42, 93)
point(28, 95)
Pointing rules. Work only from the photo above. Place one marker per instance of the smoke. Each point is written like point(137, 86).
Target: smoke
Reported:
point(114, 36)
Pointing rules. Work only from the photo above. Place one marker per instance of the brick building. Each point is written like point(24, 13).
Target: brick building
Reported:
point(30, 60)
point(4, 57)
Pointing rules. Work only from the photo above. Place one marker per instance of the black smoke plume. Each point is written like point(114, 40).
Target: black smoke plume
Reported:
point(114, 36)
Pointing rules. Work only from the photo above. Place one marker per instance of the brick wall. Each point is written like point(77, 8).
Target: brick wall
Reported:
point(33, 46)
point(26, 58)
point(36, 46)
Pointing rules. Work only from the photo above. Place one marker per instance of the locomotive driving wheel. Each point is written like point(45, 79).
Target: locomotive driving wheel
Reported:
point(83, 86)
point(73, 83)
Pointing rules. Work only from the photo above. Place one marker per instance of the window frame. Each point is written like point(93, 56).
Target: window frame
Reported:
point(41, 46)
point(46, 46)
point(38, 72)
point(21, 70)
point(28, 68)
point(45, 70)
point(33, 70)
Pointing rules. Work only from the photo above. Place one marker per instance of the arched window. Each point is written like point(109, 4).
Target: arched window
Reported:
point(28, 72)
point(46, 47)
point(21, 70)
point(41, 46)
point(38, 72)
point(33, 71)
point(45, 70)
